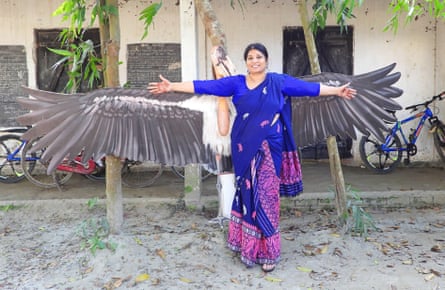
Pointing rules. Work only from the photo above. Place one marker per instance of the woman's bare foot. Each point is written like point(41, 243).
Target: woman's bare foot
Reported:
point(268, 267)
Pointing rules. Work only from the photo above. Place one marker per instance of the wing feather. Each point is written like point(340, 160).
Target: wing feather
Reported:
point(317, 118)
point(49, 97)
point(168, 128)
point(127, 123)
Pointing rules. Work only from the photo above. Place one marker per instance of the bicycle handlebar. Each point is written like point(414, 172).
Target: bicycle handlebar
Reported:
point(440, 96)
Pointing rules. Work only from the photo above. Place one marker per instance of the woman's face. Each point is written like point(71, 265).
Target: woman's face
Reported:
point(256, 61)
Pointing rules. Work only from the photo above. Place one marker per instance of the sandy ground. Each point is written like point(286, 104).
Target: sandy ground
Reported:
point(46, 244)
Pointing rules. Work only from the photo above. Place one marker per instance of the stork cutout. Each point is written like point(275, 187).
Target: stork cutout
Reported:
point(223, 67)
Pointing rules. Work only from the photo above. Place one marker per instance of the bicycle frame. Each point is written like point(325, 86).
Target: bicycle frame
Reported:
point(14, 155)
point(424, 115)
point(384, 158)
point(75, 166)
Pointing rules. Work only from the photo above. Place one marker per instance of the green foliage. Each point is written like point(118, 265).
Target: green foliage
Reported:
point(92, 203)
point(341, 9)
point(188, 189)
point(147, 16)
point(73, 11)
point(240, 3)
point(412, 9)
point(74, 57)
point(9, 207)
point(356, 219)
point(78, 54)
point(192, 208)
point(103, 12)
point(93, 233)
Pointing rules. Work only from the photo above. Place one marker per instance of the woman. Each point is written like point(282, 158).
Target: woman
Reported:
point(263, 149)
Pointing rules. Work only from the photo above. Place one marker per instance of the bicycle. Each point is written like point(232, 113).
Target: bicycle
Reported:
point(17, 163)
point(134, 173)
point(384, 158)
point(10, 146)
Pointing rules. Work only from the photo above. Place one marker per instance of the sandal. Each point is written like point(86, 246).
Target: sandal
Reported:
point(268, 267)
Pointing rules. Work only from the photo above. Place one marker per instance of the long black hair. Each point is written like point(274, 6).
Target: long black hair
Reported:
point(257, 46)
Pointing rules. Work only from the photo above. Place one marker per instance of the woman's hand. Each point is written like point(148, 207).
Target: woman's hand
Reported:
point(164, 86)
point(343, 91)
point(346, 92)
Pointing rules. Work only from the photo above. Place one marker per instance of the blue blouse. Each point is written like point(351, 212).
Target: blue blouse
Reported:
point(257, 110)
point(236, 86)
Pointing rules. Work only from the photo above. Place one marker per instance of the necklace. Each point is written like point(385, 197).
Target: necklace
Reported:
point(254, 82)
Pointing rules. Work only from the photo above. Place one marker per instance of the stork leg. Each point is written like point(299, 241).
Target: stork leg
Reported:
point(226, 190)
point(219, 218)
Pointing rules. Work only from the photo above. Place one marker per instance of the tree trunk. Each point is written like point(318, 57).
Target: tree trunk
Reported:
point(218, 38)
point(113, 190)
point(104, 31)
point(111, 46)
point(211, 23)
point(334, 157)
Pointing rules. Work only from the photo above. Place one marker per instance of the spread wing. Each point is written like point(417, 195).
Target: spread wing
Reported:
point(316, 118)
point(128, 123)
point(171, 128)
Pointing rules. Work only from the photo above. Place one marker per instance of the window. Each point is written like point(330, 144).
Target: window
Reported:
point(54, 78)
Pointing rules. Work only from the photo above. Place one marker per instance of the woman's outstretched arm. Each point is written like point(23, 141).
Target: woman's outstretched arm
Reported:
point(343, 91)
point(165, 86)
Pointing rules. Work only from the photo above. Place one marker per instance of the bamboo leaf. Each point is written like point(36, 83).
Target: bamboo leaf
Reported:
point(304, 269)
point(142, 277)
point(273, 279)
point(185, 280)
point(147, 16)
point(62, 52)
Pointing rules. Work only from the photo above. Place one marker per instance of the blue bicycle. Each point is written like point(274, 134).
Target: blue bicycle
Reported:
point(18, 161)
point(384, 158)
point(10, 168)
point(17, 164)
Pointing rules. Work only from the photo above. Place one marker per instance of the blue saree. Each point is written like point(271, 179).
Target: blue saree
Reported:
point(265, 160)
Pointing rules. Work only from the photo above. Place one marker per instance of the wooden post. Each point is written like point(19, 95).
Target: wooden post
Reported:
point(334, 157)
point(115, 214)
point(189, 59)
point(113, 190)
point(192, 185)
point(337, 176)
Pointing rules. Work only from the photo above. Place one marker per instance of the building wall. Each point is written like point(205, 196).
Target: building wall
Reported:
point(415, 48)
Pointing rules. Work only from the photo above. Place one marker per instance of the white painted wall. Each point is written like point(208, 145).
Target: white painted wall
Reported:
point(413, 49)
point(18, 19)
point(417, 49)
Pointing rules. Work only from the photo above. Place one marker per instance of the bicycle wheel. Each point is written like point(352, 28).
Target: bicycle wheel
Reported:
point(439, 140)
point(179, 171)
point(378, 160)
point(10, 152)
point(38, 175)
point(98, 174)
point(140, 174)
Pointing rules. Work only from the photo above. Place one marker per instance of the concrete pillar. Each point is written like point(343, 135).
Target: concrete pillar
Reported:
point(189, 71)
